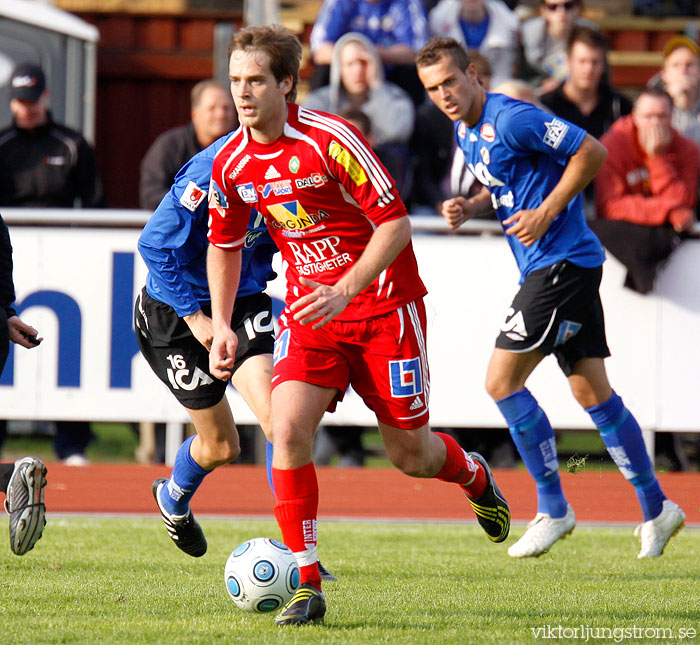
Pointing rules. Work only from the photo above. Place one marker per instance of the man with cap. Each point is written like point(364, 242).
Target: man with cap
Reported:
point(46, 164)
point(680, 76)
point(43, 163)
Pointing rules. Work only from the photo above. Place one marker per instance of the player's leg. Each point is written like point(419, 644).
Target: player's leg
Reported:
point(297, 409)
point(623, 439)
point(422, 453)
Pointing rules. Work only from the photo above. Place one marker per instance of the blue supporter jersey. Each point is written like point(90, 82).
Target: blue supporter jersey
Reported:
point(385, 23)
point(519, 152)
point(174, 243)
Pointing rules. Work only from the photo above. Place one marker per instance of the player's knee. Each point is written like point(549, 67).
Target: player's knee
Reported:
point(409, 463)
point(223, 451)
point(498, 387)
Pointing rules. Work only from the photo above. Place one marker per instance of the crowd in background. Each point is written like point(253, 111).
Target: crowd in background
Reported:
point(362, 53)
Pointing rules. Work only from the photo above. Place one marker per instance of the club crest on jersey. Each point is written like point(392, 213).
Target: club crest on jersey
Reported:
point(294, 164)
point(282, 187)
point(292, 216)
point(347, 161)
point(556, 131)
point(488, 133)
point(567, 329)
point(461, 129)
point(247, 192)
point(314, 180)
point(217, 199)
point(406, 377)
point(238, 167)
point(192, 197)
point(485, 155)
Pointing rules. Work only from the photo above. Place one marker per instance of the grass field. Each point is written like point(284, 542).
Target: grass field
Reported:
point(122, 581)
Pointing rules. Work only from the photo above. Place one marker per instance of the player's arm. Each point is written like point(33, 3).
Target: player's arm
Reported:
point(223, 275)
point(458, 210)
point(325, 302)
point(528, 226)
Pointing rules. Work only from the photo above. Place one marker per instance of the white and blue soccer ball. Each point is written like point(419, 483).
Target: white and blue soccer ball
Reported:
point(261, 575)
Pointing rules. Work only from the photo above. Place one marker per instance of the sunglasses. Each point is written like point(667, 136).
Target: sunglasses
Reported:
point(566, 6)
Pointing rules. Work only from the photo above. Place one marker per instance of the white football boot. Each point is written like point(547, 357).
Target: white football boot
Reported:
point(541, 533)
point(656, 533)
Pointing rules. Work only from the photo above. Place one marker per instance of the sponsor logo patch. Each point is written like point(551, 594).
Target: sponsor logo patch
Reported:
point(556, 131)
point(406, 378)
point(461, 129)
point(247, 192)
point(217, 199)
point(192, 197)
point(567, 329)
point(239, 166)
point(292, 216)
point(315, 180)
point(488, 133)
point(347, 161)
point(281, 187)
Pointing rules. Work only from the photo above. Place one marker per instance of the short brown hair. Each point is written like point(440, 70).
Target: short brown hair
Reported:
point(199, 88)
point(588, 36)
point(437, 48)
point(280, 44)
point(656, 92)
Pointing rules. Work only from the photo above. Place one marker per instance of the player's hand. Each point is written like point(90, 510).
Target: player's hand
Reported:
point(201, 327)
point(222, 354)
point(22, 333)
point(455, 211)
point(528, 226)
point(320, 306)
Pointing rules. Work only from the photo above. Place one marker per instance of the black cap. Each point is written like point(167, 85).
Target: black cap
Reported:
point(27, 83)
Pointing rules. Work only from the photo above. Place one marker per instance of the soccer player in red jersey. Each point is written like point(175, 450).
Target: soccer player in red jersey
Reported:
point(354, 310)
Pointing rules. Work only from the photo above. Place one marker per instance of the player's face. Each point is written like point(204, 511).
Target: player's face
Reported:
point(452, 90)
point(586, 66)
point(29, 115)
point(213, 116)
point(259, 98)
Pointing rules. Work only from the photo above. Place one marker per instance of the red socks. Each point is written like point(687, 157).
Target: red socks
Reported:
point(461, 469)
point(296, 509)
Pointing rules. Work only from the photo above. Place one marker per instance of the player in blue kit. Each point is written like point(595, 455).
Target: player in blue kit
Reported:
point(173, 324)
point(533, 167)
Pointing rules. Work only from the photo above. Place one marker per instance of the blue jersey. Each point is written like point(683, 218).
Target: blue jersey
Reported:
point(519, 152)
point(174, 243)
point(385, 23)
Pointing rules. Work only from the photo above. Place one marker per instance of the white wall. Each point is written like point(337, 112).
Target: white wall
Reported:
point(655, 364)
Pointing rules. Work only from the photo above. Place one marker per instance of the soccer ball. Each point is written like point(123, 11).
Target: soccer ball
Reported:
point(261, 575)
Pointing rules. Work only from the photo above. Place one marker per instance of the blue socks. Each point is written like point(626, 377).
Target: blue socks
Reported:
point(534, 439)
point(622, 436)
point(268, 464)
point(186, 477)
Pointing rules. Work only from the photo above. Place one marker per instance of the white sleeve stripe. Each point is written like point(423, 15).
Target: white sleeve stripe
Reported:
point(229, 245)
point(293, 133)
point(379, 180)
point(234, 154)
point(418, 330)
point(356, 146)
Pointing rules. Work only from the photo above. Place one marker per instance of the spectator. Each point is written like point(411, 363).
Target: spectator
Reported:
point(680, 76)
point(662, 8)
point(43, 163)
point(543, 60)
point(486, 26)
point(433, 147)
point(586, 97)
point(212, 116)
point(647, 190)
point(357, 83)
point(397, 28)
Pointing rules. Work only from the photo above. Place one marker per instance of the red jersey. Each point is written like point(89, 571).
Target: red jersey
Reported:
point(322, 192)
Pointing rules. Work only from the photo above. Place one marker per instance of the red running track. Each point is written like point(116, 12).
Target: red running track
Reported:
point(353, 493)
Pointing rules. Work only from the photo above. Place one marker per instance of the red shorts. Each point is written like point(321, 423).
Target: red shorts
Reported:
point(384, 359)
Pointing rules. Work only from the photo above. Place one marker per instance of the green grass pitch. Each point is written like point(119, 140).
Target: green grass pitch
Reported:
point(123, 581)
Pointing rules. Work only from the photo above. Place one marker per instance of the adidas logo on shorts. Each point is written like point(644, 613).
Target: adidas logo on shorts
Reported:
point(417, 403)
